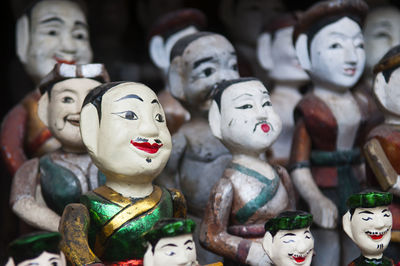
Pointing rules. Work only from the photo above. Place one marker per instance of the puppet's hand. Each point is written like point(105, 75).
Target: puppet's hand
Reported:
point(324, 212)
point(395, 189)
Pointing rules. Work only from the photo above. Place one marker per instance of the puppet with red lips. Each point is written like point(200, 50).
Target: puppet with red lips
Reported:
point(368, 222)
point(250, 191)
point(125, 132)
point(43, 186)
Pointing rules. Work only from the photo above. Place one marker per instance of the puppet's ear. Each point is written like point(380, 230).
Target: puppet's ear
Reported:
point(148, 259)
point(379, 89)
point(22, 38)
point(89, 125)
point(176, 79)
point(214, 119)
point(267, 243)
point(43, 112)
point(157, 52)
point(301, 48)
point(346, 225)
point(264, 51)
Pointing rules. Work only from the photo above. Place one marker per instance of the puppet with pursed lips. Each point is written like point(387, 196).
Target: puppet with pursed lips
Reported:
point(288, 240)
point(49, 32)
point(368, 222)
point(250, 191)
point(42, 187)
point(125, 132)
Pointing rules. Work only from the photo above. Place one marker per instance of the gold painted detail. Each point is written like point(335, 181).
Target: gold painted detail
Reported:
point(125, 215)
point(113, 196)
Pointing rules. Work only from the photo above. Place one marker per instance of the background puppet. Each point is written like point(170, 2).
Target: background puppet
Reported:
point(325, 160)
point(368, 223)
point(165, 32)
point(285, 74)
point(124, 130)
point(382, 148)
point(198, 62)
point(43, 186)
point(250, 191)
point(49, 32)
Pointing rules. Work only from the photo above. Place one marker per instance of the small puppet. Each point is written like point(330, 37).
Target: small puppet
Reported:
point(124, 130)
point(250, 191)
point(42, 187)
point(368, 222)
point(288, 240)
point(170, 242)
point(39, 248)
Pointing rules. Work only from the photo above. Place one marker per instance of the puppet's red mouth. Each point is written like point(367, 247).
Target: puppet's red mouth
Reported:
point(146, 146)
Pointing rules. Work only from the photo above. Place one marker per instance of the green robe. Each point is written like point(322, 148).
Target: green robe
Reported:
point(117, 223)
point(363, 261)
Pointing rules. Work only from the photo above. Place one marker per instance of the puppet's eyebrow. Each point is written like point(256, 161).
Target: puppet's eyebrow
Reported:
point(155, 101)
point(169, 245)
point(130, 96)
point(288, 234)
point(201, 61)
point(367, 212)
point(188, 241)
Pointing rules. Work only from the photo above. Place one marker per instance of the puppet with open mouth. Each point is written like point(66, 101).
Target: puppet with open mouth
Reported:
point(368, 222)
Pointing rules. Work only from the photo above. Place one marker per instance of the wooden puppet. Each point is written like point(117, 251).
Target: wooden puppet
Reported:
point(368, 223)
point(49, 32)
point(286, 75)
point(166, 31)
point(42, 187)
point(326, 162)
point(250, 191)
point(38, 248)
point(170, 242)
point(382, 148)
point(124, 130)
point(288, 240)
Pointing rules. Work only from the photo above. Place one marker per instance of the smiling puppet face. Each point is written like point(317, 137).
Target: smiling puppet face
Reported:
point(131, 137)
point(369, 225)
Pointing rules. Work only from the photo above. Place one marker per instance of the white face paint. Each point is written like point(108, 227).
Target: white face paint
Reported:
point(286, 67)
point(58, 33)
point(371, 229)
point(292, 247)
point(175, 251)
point(46, 259)
point(381, 32)
point(337, 55)
point(248, 121)
point(207, 60)
point(64, 108)
point(133, 139)
point(388, 94)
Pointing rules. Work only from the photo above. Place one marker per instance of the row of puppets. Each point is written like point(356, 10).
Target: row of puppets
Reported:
point(249, 175)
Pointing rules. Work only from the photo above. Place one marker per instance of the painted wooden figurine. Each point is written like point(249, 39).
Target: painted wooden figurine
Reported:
point(39, 248)
point(170, 242)
point(326, 162)
point(198, 159)
point(381, 32)
point(124, 130)
point(49, 32)
point(250, 191)
point(287, 77)
point(382, 148)
point(368, 223)
point(288, 239)
point(166, 31)
point(42, 187)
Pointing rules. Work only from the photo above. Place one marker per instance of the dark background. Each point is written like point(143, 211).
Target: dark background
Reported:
point(118, 30)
